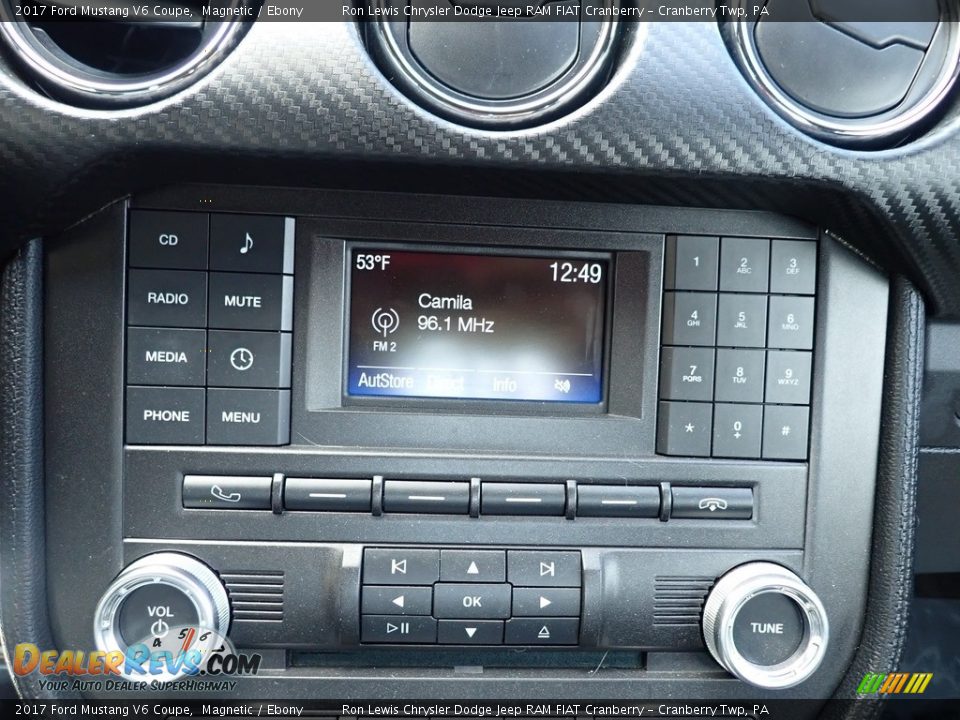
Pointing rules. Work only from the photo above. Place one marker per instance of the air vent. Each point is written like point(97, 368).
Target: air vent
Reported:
point(120, 57)
point(851, 72)
point(255, 596)
point(678, 600)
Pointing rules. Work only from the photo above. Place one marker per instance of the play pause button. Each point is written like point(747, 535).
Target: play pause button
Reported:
point(398, 629)
point(470, 632)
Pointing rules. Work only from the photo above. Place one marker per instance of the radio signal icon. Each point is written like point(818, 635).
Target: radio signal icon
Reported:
point(386, 321)
point(562, 385)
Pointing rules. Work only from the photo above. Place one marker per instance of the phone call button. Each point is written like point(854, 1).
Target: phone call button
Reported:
point(716, 503)
point(226, 492)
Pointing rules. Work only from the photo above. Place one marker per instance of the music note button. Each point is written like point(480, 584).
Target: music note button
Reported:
point(251, 243)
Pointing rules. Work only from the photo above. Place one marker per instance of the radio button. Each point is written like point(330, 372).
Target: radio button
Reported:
point(251, 302)
point(251, 243)
point(744, 265)
point(689, 318)
point(684, 428)
point(396, 600)
point(165, 416)
point(542, 631)
point(389, 566)
point(470, 632)
point(456, 600)
point(249, 359)
point(692, 263)
point(166, 357)
point(327, 494)
point(522, 498)
point(698, 503)
point(547, 568)
point(686, 374)
point(248, 417)
point(224, 492)
point(546, 602)
point(167, 298)
point(618, 501)
point(487, 566)
point(399, 629)
point(415, 496)
point(172, 240)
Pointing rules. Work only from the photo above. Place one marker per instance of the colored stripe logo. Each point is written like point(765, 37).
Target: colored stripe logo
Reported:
point(894, 683)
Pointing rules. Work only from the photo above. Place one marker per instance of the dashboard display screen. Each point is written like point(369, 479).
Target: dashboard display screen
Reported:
point(477, 326)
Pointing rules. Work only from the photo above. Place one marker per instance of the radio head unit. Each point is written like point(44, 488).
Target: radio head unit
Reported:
point(476, 325)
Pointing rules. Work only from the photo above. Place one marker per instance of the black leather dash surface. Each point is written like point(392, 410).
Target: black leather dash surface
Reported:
point(891, 569)
point(23, 607)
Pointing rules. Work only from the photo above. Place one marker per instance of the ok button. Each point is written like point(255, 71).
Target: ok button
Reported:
point(469, 602)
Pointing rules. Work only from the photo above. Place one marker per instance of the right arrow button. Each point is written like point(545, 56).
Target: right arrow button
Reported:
point(546, 602)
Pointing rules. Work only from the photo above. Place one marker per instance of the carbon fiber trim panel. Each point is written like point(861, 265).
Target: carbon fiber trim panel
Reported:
point(302, 104)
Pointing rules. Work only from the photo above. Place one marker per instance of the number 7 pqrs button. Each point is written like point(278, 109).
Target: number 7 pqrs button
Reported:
point(686, 374)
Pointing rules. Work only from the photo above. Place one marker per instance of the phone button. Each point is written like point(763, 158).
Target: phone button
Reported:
point(699, 503)
point(226, 492)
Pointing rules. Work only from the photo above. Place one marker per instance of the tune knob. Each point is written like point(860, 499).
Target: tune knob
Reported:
point(155, 602)
point(765, 625)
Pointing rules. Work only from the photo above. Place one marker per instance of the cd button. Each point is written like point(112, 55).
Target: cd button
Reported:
point(547, 568)
point(522, 498)
point(388, 566)
point(171, 240)
point(473, 565)
point(457, 600)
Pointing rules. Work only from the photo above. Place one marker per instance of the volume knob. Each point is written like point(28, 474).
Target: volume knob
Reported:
point(763, 624)
point(157, 600)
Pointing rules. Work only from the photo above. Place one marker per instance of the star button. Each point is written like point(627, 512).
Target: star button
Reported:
point(690, 427)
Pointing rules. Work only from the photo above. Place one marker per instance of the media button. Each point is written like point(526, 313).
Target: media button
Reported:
point(248, 417)
point(224, 492)
point(167, 298)
point(165, 416)
point(166, 357)
point(170, 240)
point(251, 302)
point(400, 566)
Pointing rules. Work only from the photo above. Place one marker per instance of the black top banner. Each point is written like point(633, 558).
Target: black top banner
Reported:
point(196, 11)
